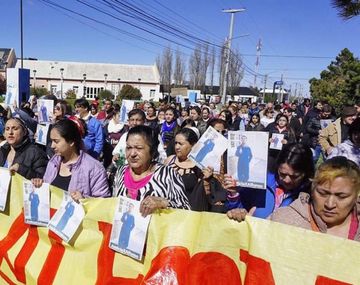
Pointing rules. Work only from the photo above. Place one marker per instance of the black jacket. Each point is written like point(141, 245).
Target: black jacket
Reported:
point(31, 159)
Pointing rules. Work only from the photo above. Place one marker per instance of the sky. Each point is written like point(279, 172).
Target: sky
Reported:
point(299, 38)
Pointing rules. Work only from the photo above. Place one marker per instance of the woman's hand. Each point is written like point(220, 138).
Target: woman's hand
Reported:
point(37, 182)
point(76, 195)
point(208, 172)
point(116, 157)
point(14, 168)
point(150, 204)
point(229, 183)
point(284, 141)
point(240, 214)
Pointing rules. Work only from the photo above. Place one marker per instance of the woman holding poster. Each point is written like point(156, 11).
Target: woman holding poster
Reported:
point(71, 169)
point(333, 206)
point(157, 186)
point(19, 154)
point(294, 171)
point(200, 186)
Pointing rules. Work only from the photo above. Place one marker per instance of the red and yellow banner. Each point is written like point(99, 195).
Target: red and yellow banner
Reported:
point(183, 247)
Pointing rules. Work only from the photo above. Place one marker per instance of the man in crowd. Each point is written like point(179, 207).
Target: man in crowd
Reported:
point(94, 139)
point(337, 132)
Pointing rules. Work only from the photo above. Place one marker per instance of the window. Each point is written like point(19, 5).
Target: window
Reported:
point(76, 89)
point(152, 93)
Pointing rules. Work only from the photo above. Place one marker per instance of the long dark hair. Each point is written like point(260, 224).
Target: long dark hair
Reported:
point(299, 157)
point(69, 130)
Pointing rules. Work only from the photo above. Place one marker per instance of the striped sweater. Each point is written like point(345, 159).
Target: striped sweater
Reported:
point(165, 182)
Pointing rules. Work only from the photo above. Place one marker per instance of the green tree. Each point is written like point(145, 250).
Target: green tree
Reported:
point(347, 8)
point(2, 85)
point(129, 92)
point(39, 91)
point(106, 95)
point(340, 83)
point(70, 94)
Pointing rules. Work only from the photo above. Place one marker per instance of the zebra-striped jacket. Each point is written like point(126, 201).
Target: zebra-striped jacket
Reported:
point(165, 182)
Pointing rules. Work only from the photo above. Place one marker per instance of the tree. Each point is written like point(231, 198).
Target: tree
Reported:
point(106, 95)
point(70, 94)
point(164, 65)
point(195, 68)
point(236, 71)
point(205, 61)
point(2, 85)
point(179, 69)
point(39, 91)
point(340, 83)
point(347, 8)
point(212, 69)
point(129, 92)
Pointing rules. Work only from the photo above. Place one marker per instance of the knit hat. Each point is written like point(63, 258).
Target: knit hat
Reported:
point(348, 111)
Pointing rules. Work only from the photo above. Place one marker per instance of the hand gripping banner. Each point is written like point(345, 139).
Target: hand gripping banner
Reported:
point(183, 247)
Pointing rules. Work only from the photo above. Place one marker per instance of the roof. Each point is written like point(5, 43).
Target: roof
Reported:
point(93, 71)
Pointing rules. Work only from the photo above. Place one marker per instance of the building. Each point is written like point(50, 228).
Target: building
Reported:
point(7, 59)
point(88, 79)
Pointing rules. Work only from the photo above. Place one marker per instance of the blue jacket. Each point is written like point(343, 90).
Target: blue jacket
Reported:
point(94, 139)
point(263, 200)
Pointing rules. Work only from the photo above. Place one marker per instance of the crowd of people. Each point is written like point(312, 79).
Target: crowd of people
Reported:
point(312, 182)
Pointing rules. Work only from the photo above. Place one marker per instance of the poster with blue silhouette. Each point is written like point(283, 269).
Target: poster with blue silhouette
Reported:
point(36, 204)
point(276, 141)
point(247, 158)
point(128, 234)
point(209, 149)
point(67, 218)
point(4, 187)
point(42, 133)
point(126, 107)
point(325, 123)
point(45, 110)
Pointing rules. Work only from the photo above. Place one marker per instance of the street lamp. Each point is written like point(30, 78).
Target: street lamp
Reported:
point(119, 80)
point(105, 80)
point(84, 91)
point(62, 81)
point(34, 78)
point(225, 83)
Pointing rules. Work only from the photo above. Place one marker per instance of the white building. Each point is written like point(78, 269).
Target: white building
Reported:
point(88, 79)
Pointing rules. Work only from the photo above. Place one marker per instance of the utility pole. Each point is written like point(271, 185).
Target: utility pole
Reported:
point(227, 50)
point(257, 63)
point(281, 91)
point(264, 90)
point(21, 34)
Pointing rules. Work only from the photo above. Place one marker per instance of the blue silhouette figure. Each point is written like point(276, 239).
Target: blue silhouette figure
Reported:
point(244, 154)
point(44, 115)
point(207, 147)
point(128, 221)
point(276, 141)
point(123, 113)
point(34, 206)
point(8, 98)
point(41, 133)
point(69, 211)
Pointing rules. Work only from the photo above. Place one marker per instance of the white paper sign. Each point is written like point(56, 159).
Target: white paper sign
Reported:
point(128, 234)
point(5, 178)
point(45, 110)
point(276, 141)
point(36, 204)
point(209, 149)
point(325, 123)
point(247, 158)
point(126, 107)
point(67, 218)
point(42, 133)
